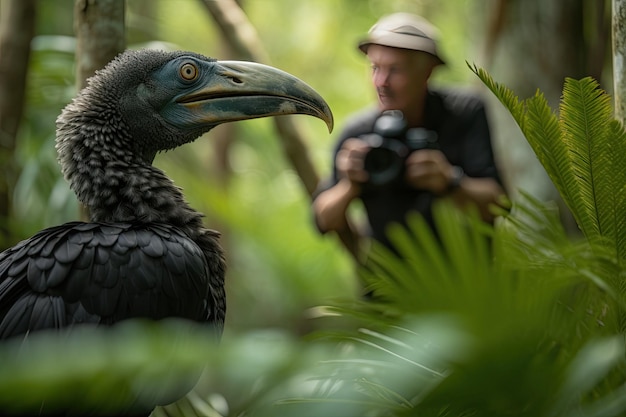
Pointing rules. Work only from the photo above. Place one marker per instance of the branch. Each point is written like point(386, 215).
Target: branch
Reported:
point(245, 42)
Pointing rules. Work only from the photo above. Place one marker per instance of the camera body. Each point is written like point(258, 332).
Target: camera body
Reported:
point(390, 143)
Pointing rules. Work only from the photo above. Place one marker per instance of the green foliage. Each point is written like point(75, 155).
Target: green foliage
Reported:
point(582, 151)
point(521, 329)
point(102, 370)
point(528, 312)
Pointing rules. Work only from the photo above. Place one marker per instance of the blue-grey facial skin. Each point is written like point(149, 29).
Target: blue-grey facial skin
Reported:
point(226, 91)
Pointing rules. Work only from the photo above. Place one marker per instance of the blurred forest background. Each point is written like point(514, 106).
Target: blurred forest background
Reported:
point(279, 265)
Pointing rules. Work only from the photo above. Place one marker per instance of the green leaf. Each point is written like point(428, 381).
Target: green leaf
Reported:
point(585, 113)
point(503, 93)
point(543, 134)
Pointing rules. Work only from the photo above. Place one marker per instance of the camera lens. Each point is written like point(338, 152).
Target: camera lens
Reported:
point(385, 164)
point(384, 161)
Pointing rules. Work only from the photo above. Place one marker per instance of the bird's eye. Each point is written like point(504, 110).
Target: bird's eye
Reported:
point(189, 71)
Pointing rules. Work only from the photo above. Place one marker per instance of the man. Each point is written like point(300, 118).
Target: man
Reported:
point(402, 50)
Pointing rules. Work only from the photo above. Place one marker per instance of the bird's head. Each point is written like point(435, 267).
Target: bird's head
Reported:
point(152, 101)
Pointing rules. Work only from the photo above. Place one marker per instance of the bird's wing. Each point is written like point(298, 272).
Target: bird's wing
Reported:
point(102, 273)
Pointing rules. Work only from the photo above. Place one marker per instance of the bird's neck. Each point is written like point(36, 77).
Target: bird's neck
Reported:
point(118, 186)
point(136, 192)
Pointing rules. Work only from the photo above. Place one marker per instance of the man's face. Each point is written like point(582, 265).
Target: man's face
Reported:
point(399, 76)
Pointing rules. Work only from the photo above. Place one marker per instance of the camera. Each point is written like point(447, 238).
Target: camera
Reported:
point(391, 142)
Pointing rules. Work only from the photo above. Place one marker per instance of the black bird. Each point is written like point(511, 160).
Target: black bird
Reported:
point(144, 252)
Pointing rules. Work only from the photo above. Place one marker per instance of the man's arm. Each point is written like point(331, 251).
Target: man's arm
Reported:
point(330, 206)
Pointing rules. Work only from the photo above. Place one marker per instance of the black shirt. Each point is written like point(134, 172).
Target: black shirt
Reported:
point(460, 121)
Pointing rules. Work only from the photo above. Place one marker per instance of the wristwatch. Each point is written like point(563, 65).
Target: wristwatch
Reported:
point(457, 177)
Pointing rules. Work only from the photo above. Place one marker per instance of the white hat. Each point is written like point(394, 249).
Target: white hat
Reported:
point(406, 31)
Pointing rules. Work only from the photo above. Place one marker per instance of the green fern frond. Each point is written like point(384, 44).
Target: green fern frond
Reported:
point(382, 393)
point(543, 134)
point(453, 272)
point(540, 126)
point(503, 93)
point(434, 270)
point(585, 113)
point(612, 189)
point(596, 145)
point(582, 150)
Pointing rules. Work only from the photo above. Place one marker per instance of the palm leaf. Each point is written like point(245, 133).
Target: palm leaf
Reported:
point(503, 93)
point(540, 126)
point(543, 134)
point(611, 187)
point(585, 113)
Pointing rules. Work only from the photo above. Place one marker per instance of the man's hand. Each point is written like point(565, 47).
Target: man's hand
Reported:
point(330, 205)
point(351, 159)
point(429, 169)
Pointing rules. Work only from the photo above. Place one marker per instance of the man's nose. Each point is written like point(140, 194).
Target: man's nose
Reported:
point(381, 79)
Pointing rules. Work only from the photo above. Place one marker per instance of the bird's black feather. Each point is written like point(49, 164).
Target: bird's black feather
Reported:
point(109, 271)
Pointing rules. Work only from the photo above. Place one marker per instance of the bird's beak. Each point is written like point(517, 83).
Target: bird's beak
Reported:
point(241, 90)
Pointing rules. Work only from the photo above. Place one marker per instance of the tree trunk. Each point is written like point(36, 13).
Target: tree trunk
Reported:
point(619, 58)
point(100, 35)
point(17, 27)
